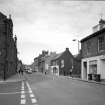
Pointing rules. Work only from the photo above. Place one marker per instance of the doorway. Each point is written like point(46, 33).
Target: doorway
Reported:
point(85, 70)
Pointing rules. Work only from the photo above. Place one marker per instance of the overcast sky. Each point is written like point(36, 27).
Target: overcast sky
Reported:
point(51, 24)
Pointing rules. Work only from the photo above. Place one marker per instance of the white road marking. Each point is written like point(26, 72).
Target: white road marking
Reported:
point(22, 92)
point(34, 100)
point(11, 93)
point(23, 101)
point(30, 91)
point(22, 84)
point(32, 95)
point(28, 86)
point(23, 96)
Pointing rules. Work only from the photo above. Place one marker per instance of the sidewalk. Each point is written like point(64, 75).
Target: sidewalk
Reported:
point(89, 81)
point(14, 78)
point(79, 79)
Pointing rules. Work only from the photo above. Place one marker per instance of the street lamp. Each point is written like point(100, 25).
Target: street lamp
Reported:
point(78, 43)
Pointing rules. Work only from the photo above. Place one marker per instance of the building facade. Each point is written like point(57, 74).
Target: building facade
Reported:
point(62, 63)
point(41, 61)
point(35, 64)
point(93, 53)
point(48, 58)
point(8, 47)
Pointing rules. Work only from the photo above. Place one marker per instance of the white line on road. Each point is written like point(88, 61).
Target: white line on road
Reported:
point(23, 96)
point(23, 101)
point(34, 100)
point(28, 86)
point(22, 84)
point(22, 92)
point(32, 95)
point(11, 93)
point(30, 91)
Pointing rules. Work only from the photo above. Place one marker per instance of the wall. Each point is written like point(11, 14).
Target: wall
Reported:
point(100, 66)
point(8, 48)
point(68, 62)
point(90, 47)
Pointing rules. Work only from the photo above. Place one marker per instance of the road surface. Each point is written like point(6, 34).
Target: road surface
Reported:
point(40, 89)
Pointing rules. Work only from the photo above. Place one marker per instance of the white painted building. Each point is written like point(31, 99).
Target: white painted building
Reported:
point(93, 65)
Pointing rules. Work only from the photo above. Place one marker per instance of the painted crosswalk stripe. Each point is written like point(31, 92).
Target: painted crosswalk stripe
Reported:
point(23, 101)
point(34, 100)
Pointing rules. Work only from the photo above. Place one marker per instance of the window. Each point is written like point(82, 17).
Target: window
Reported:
point(88, 47)
point(100, 43)
point(93, 67)
point(62, 63)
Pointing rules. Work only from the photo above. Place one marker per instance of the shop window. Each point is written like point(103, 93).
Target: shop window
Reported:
point(93, 67)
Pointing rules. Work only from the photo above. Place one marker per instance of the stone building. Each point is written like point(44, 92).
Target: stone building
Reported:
point(41, 61)
point(93, 52)
point(65, 63)
point(8, 47)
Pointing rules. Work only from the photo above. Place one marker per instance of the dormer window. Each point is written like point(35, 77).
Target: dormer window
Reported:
point(101, 43)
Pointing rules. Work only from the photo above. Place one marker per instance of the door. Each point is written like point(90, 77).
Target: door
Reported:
point(85, 70)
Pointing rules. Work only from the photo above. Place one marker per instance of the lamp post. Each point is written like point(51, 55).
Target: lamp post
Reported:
point(78, 44)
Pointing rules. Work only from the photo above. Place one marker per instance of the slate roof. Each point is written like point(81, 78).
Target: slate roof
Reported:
point(57, 56)
point(93, 35)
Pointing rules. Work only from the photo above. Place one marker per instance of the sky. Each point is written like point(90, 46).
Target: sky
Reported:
point(51, 24)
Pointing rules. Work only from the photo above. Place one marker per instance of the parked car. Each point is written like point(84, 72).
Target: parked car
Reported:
point(29, 71)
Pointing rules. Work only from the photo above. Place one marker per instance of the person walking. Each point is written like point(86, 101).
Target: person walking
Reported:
point(71, 72)
point(20, 68)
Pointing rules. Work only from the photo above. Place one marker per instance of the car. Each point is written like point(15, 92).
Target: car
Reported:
point(29, 71)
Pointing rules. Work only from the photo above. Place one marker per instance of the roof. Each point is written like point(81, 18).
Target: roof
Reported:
point(93, 35)
point(57, 56)
point(2, 15)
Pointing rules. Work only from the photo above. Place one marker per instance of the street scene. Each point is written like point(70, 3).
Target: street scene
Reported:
point(52, 52)
point(40, 89)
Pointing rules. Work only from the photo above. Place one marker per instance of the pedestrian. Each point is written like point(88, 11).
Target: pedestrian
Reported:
point(20, 68)
point(71, 72)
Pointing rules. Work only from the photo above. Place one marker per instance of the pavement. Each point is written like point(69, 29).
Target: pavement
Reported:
point(15, 78)
point(102, 82)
